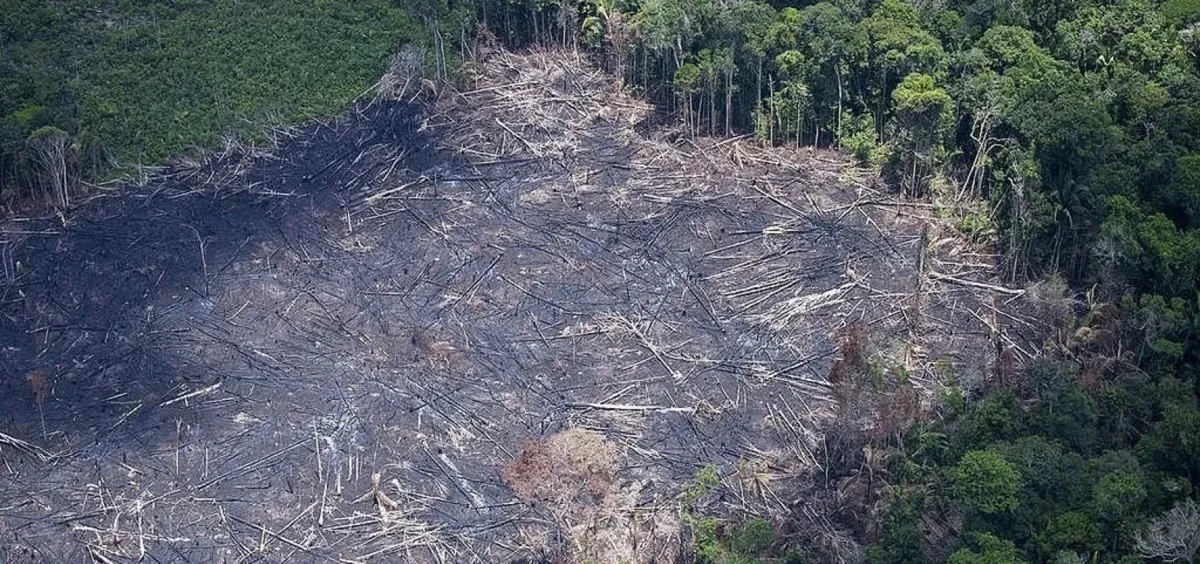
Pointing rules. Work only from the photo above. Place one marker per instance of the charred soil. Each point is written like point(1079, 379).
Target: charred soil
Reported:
point(360, 343)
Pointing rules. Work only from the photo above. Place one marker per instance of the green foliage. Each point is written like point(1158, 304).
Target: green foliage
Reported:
point(1181, 12)
point(687, 77)
point(1053, 476)
point(918, 95)
point(740, 545)
point(859, 139)
point(1150, 245)
point(898, 43)
point(752, 538)
point(984, 548)
point(1073, 531)
point(706, 538)
point(1043, 477)
point(706, 479)
point(231, 63)
point(1184, 196)
point(1165, 325)
point(986, 482)
point(1175, 440)
point(790, 106)
point(977, 226)
point(150, 80)
point(1007, 47)
point(1116, 497)
point(997, 417)
point(901, 539)
point(45, 131)
point(1038, 478)
point(716, 541)
point(1124, 408)
point(923, 112)
point(1063, 411)
point(1132, 31)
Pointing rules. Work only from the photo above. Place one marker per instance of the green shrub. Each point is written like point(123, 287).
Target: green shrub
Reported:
point(706, 479)
point(977, 226)
point(859, 139)
point(753, 538)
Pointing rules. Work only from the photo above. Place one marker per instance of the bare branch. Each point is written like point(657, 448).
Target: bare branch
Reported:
point(1173, 537)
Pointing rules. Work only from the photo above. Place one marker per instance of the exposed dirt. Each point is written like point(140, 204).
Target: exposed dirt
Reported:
point(229, 352)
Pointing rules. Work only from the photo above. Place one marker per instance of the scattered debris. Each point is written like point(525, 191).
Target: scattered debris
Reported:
point(236, 349)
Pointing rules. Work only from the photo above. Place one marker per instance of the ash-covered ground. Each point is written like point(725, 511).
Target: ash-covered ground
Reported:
point(217, 363)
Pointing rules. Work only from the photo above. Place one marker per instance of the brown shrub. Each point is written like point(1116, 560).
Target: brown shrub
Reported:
point(846, 373)
point(571, 470)
point(39, 385)
point(572, 474)
point(896, 412)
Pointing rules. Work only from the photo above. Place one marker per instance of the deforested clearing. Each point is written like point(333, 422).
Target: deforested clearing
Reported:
point(369, 340)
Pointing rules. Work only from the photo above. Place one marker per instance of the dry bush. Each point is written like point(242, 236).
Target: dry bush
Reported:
point(876, 405)
point(573, 475)
point(851, 365)
point(1053, 305)
point(940, 528)
point(1087, 330)
point(896, 412)
point(841, 547)
point(1005, 370)
point(574, 469)
point(486, 43)
point(433, 347)
point(845, 436)
point(404, 75)
point(41, 387)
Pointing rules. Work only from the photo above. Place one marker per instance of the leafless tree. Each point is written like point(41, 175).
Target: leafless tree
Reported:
point(405, 70)
point(1173, 537)
point(53, 153)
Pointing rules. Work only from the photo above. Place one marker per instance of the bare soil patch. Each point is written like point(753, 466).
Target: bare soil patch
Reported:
point(334, 349)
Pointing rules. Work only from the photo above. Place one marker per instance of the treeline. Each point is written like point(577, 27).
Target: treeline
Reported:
point(1065, 132)
point(1050, 111)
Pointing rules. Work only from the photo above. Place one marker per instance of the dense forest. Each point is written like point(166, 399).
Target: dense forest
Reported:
point(1065, 134)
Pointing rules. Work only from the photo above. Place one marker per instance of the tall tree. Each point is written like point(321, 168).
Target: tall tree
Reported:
point(923, 112)
point(897, 47)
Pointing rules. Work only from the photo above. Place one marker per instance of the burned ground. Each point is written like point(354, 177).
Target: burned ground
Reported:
point(333, 349)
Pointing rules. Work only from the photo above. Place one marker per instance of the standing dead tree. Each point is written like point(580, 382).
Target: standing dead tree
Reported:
point(53, 154)
point(405, 74)
point(1173, 537)
point(40, 386)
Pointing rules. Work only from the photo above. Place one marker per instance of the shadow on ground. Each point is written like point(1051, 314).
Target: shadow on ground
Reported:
point(235, 352)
